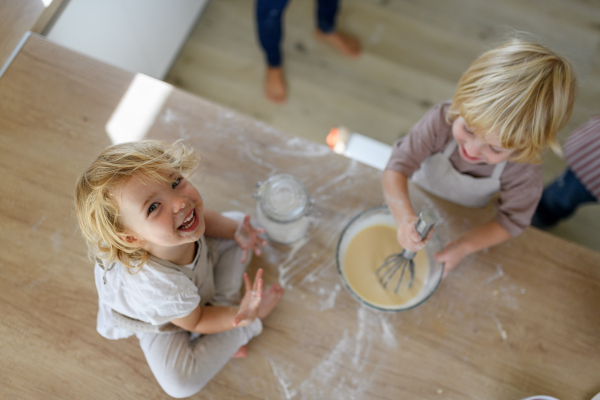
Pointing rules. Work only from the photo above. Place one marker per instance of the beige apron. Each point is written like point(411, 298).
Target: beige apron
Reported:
point(439, 177)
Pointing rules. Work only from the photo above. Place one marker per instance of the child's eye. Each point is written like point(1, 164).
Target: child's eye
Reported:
point(494, 150)
point(152, 207)
point(176, 182)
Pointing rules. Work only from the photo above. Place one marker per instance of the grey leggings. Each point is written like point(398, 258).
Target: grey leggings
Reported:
point(184, 362)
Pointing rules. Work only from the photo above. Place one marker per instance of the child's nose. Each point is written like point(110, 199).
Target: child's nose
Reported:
point(179, 204)
point(475, 148)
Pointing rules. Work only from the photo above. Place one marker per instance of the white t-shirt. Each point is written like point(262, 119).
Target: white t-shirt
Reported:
point(156, 294)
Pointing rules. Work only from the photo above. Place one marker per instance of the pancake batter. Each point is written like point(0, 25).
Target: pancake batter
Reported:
point(366, 252)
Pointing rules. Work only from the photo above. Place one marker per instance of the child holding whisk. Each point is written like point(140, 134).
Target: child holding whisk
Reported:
point(157, 275)
point(485, 144)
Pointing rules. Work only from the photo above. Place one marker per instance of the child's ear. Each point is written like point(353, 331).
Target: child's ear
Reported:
point(131, 239)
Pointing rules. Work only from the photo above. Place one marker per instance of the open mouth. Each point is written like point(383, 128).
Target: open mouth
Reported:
point(190, 223)
point(466, 156)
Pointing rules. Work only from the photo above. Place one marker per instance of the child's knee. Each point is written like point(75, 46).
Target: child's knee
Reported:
point(180, 385)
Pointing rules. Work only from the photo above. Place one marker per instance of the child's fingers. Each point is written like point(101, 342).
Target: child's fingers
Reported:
point(247, 282)
point(414, 235)
point(237, 320)
point(244, 255)
point(258, 277)
point(259, 288)
point(259, 240)
point(257, 249)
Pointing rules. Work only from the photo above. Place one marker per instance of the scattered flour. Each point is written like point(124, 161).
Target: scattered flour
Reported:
point(286, 267)
point(56, 239)
point(499, 274)
point(38, 224)
point(283, 381)
point(330, 301)
point(503, 333)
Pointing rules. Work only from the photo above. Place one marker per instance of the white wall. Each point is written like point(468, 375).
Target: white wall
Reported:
point(136, 35)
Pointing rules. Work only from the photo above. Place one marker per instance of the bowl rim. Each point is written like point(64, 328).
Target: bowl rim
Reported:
point(347, 285)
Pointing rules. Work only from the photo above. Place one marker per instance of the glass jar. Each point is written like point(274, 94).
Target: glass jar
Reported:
point(283, 207)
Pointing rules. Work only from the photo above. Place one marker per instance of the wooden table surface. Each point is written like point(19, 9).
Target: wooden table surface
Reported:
point(520, 319)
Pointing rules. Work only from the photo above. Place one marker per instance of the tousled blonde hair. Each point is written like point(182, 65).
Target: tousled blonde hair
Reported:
point(97, 208)
point(521, 90)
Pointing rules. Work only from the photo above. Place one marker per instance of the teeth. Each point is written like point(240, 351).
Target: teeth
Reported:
point(188, 222)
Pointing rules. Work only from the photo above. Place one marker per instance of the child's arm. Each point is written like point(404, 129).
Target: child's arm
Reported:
point(395, 191)
point(213, 319)
point(243, 233)
point(486, 235)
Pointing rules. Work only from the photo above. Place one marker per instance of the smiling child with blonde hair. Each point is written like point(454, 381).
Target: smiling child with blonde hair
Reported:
point(485, 144)
point(169, 270)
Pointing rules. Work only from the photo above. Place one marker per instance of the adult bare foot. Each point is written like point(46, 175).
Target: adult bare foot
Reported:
point(242, 352)
point(275, 88)
point(270, 298)
point(346, 44)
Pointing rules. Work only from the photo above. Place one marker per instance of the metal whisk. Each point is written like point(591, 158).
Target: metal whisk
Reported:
point(404, 260)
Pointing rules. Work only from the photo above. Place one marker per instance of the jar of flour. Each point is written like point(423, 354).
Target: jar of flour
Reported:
point(283, 207)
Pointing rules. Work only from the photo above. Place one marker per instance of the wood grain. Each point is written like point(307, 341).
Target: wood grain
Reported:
point(517, 320)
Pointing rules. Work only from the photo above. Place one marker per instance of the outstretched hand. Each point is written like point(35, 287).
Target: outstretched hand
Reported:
point(248, 310)
point(247, 237)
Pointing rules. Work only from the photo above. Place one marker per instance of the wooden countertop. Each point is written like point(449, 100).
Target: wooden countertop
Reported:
point(520, 319)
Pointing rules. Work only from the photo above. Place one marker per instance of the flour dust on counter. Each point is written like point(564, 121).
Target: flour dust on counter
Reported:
point(349, 369)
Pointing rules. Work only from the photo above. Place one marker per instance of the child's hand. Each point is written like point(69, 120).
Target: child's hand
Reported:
point(451, 256)
point(248, 310)
point(247, 237)
point(408, 237)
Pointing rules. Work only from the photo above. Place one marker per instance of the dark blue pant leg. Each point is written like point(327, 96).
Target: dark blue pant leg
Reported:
point(560, 199)
point(269, 14)
point(326, 13)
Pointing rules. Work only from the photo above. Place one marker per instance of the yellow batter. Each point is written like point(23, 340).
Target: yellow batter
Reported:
point(366, 252)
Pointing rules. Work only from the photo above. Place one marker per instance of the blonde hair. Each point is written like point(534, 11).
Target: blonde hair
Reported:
point(521, 90)
point(97, 208)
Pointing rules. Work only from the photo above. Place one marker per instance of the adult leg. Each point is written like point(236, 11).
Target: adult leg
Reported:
point(269, 15)
point(326, 13)
point(327, 32)
point(182, 366)
point(560, 199)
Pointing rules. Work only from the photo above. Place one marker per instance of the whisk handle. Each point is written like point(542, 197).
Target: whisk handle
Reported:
point(426, 221)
